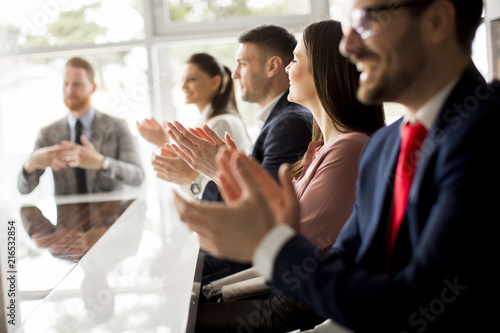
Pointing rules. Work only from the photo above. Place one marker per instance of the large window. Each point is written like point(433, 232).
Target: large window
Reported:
point(212, 10)
point(495, 40)
point(181, 19)
point(32, 93)
point(138, 48)
point(40, 24)
point(31, 97)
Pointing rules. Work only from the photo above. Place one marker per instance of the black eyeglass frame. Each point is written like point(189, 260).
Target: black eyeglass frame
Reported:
point(362, 15)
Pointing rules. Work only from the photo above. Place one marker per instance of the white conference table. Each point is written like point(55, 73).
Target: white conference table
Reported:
point(139, 276)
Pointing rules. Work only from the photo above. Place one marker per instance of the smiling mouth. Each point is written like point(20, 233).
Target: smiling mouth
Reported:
point(365, 67)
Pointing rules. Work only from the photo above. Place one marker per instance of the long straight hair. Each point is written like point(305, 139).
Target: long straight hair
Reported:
point(337, 82)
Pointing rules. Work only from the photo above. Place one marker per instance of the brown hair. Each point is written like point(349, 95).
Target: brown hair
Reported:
point(336, 81)
point(273, 40)
point(77, 62)
point(468, 17)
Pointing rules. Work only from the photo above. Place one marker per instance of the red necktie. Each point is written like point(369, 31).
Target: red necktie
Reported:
point(412, 137)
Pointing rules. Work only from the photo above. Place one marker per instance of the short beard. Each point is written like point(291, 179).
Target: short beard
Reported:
point(78, 105)
point(390, 89)
point(256, 94)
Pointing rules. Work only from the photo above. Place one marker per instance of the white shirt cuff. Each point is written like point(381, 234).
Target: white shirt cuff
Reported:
point(268, 249)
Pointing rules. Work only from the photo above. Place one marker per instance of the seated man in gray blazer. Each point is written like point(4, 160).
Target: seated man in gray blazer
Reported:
point(88, 151)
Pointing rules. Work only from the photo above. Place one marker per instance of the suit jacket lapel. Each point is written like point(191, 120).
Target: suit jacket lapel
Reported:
point(97, 139)
point(64, 130)
point(282, 103)
point(98, 128)
point(383, 191)
point(437, 136)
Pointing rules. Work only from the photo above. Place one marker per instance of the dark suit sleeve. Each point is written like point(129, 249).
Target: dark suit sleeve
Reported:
point(211, 193)
point(287, 140)
point(449, 277)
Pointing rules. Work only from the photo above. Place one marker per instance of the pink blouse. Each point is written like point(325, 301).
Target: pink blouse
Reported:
point(326, 187)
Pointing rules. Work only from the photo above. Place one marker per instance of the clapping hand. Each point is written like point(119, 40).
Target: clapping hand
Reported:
point(198, 147)
point(171, 168)
point(234, 230)
point(153, 132)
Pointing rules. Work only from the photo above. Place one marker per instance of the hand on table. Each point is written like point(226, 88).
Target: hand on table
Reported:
point(153, 132)
point(83, 156)
point(52, 156)
point(234, 230)
point(198, 147)
point(172, 168)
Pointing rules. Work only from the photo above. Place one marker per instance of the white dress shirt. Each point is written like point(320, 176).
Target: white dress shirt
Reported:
point(264, 113)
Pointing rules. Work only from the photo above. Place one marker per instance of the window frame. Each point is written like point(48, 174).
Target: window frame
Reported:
point(229, 26)
point(154, 39)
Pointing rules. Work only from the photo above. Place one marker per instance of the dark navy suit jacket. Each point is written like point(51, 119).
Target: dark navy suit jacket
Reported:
point(284, 138)
point(441, 278)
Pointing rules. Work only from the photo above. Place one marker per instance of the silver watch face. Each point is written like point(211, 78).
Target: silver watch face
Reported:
point(195, 188)
point(105, 165)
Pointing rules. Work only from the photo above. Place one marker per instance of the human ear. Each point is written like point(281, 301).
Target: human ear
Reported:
point(440, 22)
point(215, 82)
point(273, 65)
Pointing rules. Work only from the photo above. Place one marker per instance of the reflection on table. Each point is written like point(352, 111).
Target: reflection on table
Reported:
point(77, 228)
point(109, 266)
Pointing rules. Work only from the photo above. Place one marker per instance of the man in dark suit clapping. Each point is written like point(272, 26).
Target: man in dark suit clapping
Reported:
point(417, 253)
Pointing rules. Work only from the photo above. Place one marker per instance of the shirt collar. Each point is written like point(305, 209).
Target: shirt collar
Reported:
point(264, 113)
point(86, 120)
point(428, 113)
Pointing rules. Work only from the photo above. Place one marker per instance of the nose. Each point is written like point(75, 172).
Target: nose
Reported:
point(287, 68)
point(236, 73)
point(351, 42)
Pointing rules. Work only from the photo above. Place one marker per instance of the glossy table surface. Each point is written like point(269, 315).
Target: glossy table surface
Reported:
point(115, 262)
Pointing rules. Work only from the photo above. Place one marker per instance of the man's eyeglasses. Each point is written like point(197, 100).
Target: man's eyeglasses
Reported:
point(361, 19)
